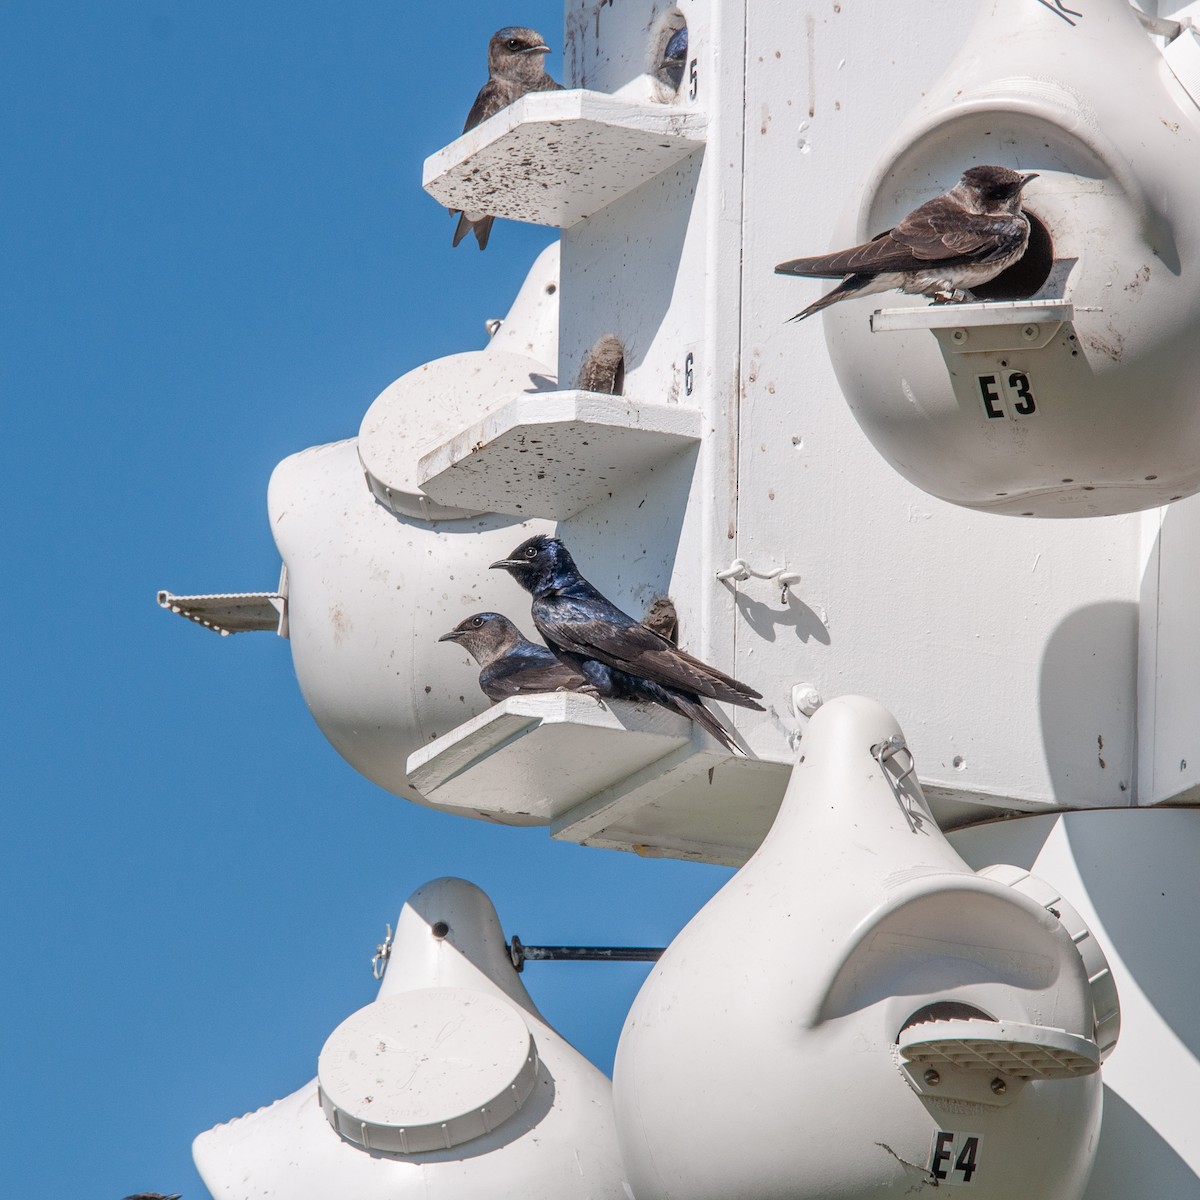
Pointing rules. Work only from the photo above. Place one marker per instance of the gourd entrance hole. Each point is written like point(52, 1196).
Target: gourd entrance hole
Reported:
point(1026, 276)
point(945, 1010)
point(670, 70)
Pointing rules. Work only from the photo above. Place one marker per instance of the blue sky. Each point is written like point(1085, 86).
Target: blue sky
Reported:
point(216, 251)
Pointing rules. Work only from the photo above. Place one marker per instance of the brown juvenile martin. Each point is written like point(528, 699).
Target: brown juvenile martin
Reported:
point(511, 665)
point(952, 243)
point(516, 65)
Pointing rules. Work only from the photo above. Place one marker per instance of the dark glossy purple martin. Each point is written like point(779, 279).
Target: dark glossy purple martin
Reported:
point(674, 58)
point(511, 664)
point(516, 65)
point(951, 244)
point(619, 657)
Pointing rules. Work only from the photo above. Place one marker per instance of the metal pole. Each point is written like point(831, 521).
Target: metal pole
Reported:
point(519, 953)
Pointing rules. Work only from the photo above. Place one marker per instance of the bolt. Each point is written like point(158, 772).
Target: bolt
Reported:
point(805, 700)
point(1030, 332)
point(999, 1086)
point(959, 336)
point(932, 1078)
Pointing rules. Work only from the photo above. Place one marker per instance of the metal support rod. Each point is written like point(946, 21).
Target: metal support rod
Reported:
point(519, 953)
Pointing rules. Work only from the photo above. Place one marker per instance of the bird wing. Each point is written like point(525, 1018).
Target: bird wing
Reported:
point(520, 676)
point(493, 96)
point(939, 231)
point(598, 629)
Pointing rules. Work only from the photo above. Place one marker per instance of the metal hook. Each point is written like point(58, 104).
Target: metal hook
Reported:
point(383, 952)
point(740, 569)
point(883, 753)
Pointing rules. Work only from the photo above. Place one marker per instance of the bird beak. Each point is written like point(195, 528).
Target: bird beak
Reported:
point(536, 50)
point(452, 636)
point(1028, 176)
point(505, 564)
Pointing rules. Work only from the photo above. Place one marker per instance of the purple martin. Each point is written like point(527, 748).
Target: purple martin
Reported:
point(674, 58)
point(619, 657)
point(952, 243)
point(511, 664)
point(663, 619)
point(603, 369)
point(515, 66)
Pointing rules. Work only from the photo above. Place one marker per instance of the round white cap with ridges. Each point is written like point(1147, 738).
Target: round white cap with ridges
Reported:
point(1106, 1004)
point(426, 1070)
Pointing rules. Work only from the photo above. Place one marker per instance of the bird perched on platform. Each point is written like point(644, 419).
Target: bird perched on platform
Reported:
point(950, 244)
point(618, 656)
point(516, 65)
point(511, 664)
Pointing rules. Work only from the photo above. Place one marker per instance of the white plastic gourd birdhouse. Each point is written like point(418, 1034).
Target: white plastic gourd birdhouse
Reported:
point(448, 1084)
point(857, 1012)
point(1071, 389)
point(378, 569)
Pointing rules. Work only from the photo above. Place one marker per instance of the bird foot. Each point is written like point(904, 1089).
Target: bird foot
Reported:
point(589, 689)
point(953, 296)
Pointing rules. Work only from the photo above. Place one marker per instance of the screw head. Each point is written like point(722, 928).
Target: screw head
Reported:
point(1030, 332)
point(931, 1078)
point(999, 1086)
point(959, 336)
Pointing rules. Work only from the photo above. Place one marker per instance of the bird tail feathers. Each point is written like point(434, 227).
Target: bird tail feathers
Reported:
point(724, 687)
point(855, 283)
point(693, 707)
point(482, 229)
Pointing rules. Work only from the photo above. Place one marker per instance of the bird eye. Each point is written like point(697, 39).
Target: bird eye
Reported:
point(513, 44)
point(531, 552)
point(477, 622)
